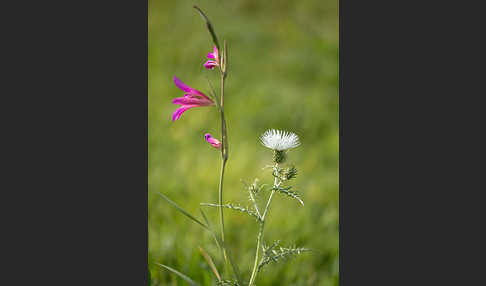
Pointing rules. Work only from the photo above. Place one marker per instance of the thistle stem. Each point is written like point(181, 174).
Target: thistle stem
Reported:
point(254, 272)
point(255, 264)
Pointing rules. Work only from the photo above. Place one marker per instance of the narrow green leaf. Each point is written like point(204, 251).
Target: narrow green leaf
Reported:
point(210, 230)
point(222, 246)
point(210, 262)
point(187, 279)
point(204, 217)
point(221, 243)
point(236, 271)
point(183, 211)
point(213, 94)
point(209, 26)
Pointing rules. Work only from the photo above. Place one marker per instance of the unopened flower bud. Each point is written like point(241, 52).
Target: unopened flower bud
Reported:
point(254, 187)
point(289, 173)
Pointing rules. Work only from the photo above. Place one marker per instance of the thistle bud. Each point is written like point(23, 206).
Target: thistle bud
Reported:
point(289, 173)
point(254, 186)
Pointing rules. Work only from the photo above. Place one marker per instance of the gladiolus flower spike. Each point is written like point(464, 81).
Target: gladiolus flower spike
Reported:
point(192, 98)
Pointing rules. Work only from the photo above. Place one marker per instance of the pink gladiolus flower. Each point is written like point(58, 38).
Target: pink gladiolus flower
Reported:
point(192, 98)
point(213, 59)
point(213, 141)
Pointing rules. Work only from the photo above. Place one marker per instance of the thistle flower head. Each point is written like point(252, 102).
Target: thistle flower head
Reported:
point(279, 140)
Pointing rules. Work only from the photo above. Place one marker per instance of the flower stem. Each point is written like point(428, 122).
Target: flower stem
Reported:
point(224, 158)
point(255, 265)
point(254, 272)
point(220, 200)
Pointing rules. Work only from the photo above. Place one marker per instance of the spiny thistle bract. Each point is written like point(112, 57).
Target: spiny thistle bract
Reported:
point(280, 142)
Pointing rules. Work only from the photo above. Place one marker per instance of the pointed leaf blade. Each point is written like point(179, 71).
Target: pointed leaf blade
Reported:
point(187, 279)
point(183, 211)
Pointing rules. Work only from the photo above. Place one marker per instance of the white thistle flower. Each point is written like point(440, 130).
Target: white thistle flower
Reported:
point(279, 140)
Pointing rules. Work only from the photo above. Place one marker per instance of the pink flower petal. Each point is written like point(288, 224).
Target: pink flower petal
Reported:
point(187, 88)
point(178, 113)
point(213, 141)
point(215, 53)
point(210, 64)
point(190, 100)
point(181, 85)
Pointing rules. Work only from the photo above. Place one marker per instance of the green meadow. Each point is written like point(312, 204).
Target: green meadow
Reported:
point(283, 74)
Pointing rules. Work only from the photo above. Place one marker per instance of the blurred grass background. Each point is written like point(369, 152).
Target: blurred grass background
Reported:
point(283, 73)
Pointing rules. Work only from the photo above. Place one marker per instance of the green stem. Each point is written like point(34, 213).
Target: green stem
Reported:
point(255, 264)
point(254, 272)
point(224, 158)
point(220, 199)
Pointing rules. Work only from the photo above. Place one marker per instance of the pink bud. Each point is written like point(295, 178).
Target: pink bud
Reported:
point(213, 141)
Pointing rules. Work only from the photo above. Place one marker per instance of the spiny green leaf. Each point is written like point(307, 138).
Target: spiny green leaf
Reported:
point(270, 254)
point(253, 190)
point(290, 193)
point(267, 249)
point(236, 208)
